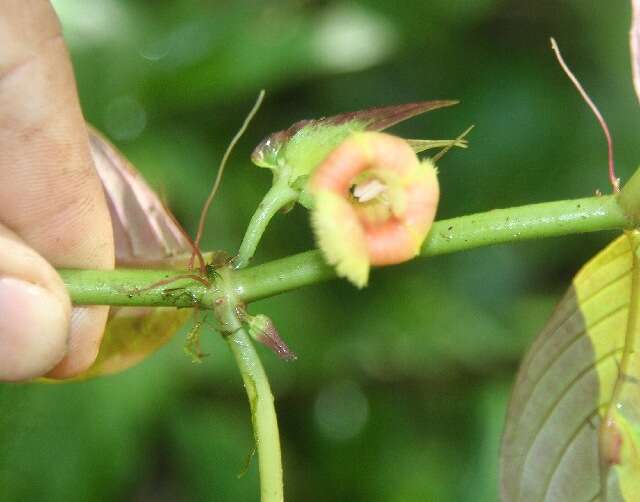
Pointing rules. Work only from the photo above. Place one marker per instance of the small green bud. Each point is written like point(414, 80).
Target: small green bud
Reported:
point(262, 329)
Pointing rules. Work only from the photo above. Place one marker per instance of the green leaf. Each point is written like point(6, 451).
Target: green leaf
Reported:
point(573, 425)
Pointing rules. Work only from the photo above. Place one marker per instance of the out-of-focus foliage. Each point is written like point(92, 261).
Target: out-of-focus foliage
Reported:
point(399, 391)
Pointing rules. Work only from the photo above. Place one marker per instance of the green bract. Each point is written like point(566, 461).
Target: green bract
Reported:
point(309, 146)
point(294, 153)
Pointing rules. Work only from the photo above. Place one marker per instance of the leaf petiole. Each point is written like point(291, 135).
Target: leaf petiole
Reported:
point(279, 196)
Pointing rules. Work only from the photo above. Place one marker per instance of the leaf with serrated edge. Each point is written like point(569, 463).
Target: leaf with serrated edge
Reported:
point(573, 427)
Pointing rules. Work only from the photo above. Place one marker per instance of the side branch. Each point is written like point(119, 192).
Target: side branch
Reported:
point(536, 221)
point(279, 196)
point(256, 384)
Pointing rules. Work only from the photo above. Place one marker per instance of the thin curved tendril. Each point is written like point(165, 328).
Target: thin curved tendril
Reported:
point(174, 278)
point(613, 179)
point(195, 250)
point(216, 184)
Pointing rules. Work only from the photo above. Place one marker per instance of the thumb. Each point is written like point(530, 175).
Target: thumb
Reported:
point(50, 194)
point(34, 311)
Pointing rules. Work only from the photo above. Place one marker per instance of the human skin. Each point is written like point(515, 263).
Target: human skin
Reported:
point(52, 208)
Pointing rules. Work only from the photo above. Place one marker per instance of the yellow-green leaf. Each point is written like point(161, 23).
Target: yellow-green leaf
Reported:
point(132, 334)
point(573, 425)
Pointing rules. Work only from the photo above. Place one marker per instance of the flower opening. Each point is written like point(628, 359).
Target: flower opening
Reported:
point(374, 203)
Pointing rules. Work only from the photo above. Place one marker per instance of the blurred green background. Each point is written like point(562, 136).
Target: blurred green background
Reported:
point(400, 390)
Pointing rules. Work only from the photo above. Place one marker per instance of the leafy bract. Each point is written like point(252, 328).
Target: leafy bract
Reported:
point(295, 152)
point(145, 232)
point(573, 425)
point(146, 235)
point(270, 150)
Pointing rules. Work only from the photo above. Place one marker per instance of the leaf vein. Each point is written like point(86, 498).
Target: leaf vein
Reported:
point(556, 401)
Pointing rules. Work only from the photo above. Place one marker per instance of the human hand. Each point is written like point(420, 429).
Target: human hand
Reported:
point(52, 208)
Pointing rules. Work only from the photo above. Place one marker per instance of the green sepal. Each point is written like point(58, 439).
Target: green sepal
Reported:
point(301, 185)
point(420, 145)
point(311, 145)
point(294, 153)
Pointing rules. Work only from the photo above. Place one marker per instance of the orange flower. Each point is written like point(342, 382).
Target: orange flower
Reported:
point(374, 203)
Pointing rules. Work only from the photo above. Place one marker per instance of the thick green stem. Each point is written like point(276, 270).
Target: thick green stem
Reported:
point(130, 287)
point(263, 413)
point(534, 221)
point(549, 219)
point(279, 196)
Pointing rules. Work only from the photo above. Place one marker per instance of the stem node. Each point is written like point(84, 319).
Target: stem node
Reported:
point(629, 199)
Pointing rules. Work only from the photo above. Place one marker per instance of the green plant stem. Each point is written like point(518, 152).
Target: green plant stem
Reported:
point(279, 196)
point(499, 226)
point(549, 219)
point(263, 413)
point(131, 287)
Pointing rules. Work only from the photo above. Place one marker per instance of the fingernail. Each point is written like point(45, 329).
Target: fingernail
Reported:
point(85, 334)
point(34, 327)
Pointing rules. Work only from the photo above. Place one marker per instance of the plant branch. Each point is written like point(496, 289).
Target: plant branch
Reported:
point(129, 287)
point(279, 195)
point(263, 413)
point(549, 219)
